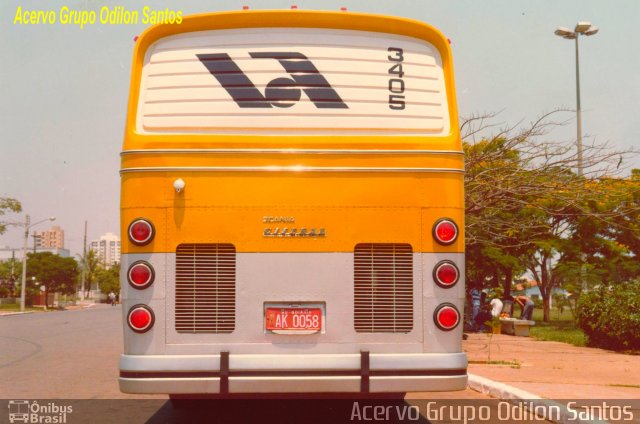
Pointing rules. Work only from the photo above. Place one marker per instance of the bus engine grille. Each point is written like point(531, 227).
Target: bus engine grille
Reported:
point(383, 280)
point(205, 288)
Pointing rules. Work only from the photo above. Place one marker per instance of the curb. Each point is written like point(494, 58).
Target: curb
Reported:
point(542, 406)
point(6, 314)
point(80, 308)
point(499, 390)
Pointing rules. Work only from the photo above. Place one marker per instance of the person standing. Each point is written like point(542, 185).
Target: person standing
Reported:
point(527, 306)
point(112, 298)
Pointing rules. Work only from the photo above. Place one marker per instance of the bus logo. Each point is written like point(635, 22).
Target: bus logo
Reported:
point(27, 411)
point(280, 92)
point(18, 411)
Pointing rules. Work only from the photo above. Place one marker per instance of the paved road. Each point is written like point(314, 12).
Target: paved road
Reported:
point(74, 355)
point(70, 354)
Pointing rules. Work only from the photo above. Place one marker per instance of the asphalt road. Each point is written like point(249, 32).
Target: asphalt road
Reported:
point(72, 355)
point(54, 355)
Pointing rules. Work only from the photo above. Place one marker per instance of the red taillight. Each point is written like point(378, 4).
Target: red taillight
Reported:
point(446, 317)
point(141, 232)
point(140, 318)
point(446, 274)
point(140, 275)
point(445, 231)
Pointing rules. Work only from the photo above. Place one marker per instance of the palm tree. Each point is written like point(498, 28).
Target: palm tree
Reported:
point(89, 263)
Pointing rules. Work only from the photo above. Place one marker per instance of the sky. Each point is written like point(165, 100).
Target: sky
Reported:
point(63, 89)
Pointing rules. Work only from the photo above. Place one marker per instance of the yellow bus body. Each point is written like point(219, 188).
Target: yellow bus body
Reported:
point(255, 190)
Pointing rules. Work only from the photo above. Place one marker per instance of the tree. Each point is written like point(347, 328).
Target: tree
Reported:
point(8, 204)
point(525, 207)
point(108, 279)
point(90, 264)
point(514, 180)
point(10, 271)
point(625, 230)
point(610, 244)
point(57, 274)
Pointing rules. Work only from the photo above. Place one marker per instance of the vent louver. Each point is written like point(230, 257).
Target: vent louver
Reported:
point(205, 288)
point(383, 280)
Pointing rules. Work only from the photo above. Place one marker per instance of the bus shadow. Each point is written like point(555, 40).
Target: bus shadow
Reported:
point(303, 411)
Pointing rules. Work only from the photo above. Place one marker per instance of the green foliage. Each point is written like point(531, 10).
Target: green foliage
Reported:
point(610, 316)
point(527, 210)
point(8, 204)
point(109, 279)
point(56, 273)
point(10, 272)
point(564, 303)
point(90, 263)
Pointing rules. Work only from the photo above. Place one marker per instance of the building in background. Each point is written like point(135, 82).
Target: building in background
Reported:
point(49, 239)
point(107, 249)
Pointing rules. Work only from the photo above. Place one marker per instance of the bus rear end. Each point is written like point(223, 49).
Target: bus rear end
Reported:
point(292, 207)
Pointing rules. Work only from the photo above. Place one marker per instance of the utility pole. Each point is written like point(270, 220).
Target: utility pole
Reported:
point(84, 259)
point(27, 225)
point(13, 274)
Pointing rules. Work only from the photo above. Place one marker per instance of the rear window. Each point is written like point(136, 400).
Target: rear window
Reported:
point(292, 80)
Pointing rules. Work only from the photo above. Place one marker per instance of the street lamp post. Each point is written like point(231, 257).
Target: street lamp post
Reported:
point(27, 225)
point(582, 28)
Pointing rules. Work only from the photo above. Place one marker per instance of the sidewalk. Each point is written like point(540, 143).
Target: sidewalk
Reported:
point(79, 306)
point(553, 370)
point(6, 314)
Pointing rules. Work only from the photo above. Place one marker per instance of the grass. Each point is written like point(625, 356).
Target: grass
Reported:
point(560, 328)
point(15, 307)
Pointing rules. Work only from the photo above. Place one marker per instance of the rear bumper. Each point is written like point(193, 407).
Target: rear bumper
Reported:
point(341, 373)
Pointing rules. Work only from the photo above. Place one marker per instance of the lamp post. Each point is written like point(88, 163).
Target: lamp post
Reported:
point(27, 225)
point(582, 28)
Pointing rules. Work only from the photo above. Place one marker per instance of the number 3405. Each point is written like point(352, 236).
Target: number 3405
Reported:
point(396, 84)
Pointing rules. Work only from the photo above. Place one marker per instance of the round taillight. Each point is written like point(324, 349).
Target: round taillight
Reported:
point(140, 275)
point(445, 231)
point(446, 274)
point(140, 318)
point(141, 232)
point(446, 317)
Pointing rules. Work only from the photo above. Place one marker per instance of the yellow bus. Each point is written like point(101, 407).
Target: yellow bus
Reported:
point(292, 207)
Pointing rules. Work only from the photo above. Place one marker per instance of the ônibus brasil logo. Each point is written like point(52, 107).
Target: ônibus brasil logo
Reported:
point(26, 411)
point(280, 92)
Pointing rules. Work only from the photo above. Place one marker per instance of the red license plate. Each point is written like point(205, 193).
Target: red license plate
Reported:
point(293, 319)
